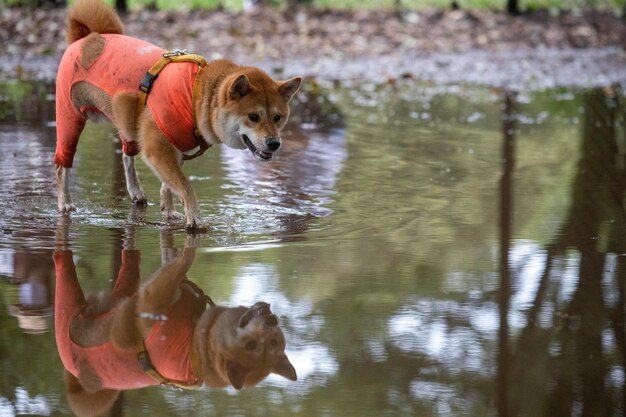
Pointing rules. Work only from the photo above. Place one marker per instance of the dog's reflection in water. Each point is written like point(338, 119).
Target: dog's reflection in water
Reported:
point(166, 331)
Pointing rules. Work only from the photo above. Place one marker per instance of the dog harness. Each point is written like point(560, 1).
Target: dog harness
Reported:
point(169, 339)
point(123, 65)
point(176, 130)
point(143, 356)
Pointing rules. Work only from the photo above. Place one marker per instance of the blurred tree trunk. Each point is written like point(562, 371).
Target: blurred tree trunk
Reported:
point(512, 7)
point(121, 6)
point(49, 3)
point(506, 220)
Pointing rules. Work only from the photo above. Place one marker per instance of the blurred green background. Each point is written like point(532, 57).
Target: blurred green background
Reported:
point(237, 5)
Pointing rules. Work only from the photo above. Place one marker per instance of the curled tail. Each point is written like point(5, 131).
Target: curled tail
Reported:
point(87, 404)
point(87, 16)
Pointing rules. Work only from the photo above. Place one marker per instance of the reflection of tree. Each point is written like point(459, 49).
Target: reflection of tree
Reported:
point(506, 206)
point(571, 360)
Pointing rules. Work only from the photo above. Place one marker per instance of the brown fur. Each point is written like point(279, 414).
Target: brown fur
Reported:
point(91, 16)
point(91, 50)
point(87, 404)
point(230, 95)
point(124, 108)
point(86, 95)
point(225, 350)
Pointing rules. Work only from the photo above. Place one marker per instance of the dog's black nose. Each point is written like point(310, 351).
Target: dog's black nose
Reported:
point(272, 144)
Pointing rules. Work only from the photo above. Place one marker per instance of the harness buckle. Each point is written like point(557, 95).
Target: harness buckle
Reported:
point(177, 52)
point(146, 84)
point(144, 361)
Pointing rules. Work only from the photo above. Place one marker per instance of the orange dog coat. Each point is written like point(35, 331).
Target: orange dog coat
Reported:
point(168, 342)
point(120, 68)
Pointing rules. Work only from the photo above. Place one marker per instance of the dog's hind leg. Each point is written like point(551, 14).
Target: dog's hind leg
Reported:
point(123, 106)
point(137, 195)
point(70, 124)
point(64, 198)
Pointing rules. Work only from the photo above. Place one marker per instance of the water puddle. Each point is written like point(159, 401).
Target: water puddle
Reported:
point(426, 249)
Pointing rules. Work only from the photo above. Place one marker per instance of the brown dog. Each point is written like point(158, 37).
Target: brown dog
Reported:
point(164, 332)
point(168, 109)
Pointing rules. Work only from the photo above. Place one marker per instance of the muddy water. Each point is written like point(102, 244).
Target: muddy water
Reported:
point(429, 251)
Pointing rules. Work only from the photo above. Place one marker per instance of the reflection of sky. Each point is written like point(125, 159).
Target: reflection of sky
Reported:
point(457, 334)
point(6, 262)
point(312, 360)
point(301, 181)
point(30, 173)
point(24, 404)
point(423, 329)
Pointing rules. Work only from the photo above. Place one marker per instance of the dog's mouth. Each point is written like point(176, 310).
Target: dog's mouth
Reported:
point(259, 154)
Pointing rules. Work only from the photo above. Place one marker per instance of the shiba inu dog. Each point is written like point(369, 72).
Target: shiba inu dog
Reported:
point(167, 106)
point(166, 331)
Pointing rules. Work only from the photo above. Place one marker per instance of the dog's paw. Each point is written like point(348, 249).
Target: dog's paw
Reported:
point(196, 224)
point(66, 207)
point(172, 214)
point(140, 201)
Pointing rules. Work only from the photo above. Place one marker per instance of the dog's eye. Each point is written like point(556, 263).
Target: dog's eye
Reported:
point(251, 345)
point(274, 343)
point(277, 118)
point(254, 117)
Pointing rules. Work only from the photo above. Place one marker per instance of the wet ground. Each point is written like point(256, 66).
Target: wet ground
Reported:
point(537, 50)
point(429, 250)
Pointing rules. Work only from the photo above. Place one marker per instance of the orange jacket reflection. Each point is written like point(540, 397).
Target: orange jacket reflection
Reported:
point(168, 341)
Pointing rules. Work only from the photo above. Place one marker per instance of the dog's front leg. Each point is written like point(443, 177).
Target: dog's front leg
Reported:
point(163, 289)
point(177, 182)
point(64, 198)
point(166, 161)
point(167, 204)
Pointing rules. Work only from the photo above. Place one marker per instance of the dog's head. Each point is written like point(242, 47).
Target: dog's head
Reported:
point(250, 345)
point(253, 111)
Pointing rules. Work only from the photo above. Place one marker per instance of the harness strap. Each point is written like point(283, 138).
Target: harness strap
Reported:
point(146, 364)
point(148, 80)
point(143, 356)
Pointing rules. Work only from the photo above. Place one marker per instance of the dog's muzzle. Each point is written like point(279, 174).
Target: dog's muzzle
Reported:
point(272, 145)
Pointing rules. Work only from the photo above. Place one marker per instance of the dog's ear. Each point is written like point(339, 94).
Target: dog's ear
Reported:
point(288, 88)
point(285, 369)
point(239, 88)
point(236, 375)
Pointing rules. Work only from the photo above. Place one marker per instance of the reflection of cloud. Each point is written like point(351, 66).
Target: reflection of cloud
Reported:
point(24, 404)
point(433, 392)
point(463, 334)
point(256, 282)
point(611, 268)
point(300, 181)
point(568, 279)
point(312, 360)
point(616, 376)
point(30, 173)
point(423, 329)
point(6, 262)
point(485, 319)
point(528, 263)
